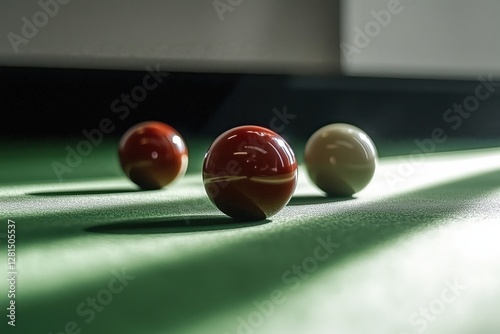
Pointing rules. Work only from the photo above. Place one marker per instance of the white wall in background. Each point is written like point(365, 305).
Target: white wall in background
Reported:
point(284, 36)
point(424, 38)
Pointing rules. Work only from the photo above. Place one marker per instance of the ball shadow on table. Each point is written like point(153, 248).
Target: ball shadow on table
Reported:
point(316, 199)
point(84, 192)
point(173, 225)
point(103, 191)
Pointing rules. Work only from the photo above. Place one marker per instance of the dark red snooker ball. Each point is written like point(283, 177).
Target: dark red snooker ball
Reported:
point(250, 173)
point(153, 154)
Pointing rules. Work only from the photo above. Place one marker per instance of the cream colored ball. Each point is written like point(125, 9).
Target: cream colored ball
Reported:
point(340, 159)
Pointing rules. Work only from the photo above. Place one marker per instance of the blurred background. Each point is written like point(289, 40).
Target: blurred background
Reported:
point(393, 68)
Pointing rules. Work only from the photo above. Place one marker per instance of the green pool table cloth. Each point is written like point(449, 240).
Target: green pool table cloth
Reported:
point(416, 251)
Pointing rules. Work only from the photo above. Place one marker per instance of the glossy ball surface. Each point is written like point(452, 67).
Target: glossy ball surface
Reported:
point(250, 173)
point(340, 159)
point(153, 154)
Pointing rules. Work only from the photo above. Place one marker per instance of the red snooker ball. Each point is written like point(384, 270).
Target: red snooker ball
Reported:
point(153, 154)
point(250, 173)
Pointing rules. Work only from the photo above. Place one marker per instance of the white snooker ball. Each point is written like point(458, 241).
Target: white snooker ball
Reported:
point(340, 159)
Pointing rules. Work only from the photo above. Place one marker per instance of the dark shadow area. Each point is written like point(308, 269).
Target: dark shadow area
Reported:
point(172, 225)
point(85, 192)
point(316, 199)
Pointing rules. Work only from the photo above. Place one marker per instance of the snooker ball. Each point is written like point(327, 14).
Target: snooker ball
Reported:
point(340, 159)
point(153, 154)
point(250, 173)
